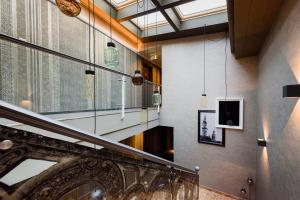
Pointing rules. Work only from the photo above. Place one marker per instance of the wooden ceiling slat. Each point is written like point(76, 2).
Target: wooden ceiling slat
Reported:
point(252, 21)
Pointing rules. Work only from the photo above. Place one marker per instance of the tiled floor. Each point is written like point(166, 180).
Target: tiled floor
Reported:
point(207, 194)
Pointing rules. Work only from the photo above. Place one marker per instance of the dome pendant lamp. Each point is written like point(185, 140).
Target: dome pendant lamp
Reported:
point(111, 53)
point(137, 78)
point(70, 8)
point(203, 100)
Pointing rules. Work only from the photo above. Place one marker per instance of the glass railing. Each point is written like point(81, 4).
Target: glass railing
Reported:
point(40, 22)
point(47, 83)
point(43, 63)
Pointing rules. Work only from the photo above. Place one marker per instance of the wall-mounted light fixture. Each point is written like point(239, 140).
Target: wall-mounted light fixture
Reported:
point(291, 91)
point(261, 142)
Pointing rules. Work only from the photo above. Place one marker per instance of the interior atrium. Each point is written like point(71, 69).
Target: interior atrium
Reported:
point(149, 99)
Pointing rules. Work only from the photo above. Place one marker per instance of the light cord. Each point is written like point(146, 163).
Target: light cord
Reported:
point(226, 83)
point(204, 61)
point(110, 22)
point(89, 34)
point(94, 41)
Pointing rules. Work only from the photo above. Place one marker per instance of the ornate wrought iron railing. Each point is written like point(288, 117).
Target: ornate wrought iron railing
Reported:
point(118, 171)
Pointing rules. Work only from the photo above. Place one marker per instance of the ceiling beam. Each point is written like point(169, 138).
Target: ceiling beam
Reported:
point(215, 28)
point(169, 14)
point(209, 20)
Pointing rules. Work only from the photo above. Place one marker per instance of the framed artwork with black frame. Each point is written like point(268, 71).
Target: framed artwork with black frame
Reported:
point(230, 113)
point(208, 133)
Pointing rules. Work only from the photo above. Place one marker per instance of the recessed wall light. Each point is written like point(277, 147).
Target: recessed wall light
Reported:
point(261, 142)
point(291, 91)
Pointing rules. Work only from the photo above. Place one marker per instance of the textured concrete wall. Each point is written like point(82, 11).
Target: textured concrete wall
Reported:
point(50, 83)
point(278, 174)
point(223, 168)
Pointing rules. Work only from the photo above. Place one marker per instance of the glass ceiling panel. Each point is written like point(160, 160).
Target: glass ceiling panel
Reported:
point(200, 7)
point(149, 19)
point(121, 3)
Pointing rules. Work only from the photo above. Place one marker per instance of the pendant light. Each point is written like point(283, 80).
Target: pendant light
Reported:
point(89, 73)
point(111, 53)
point(70, 8)
point(137, 78)
point(156, 97)
point(89, 84)
point(203, 100)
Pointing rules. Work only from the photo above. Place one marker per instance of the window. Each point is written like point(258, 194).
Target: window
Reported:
point(122, 3)
point(150, 19)
point(201, 8)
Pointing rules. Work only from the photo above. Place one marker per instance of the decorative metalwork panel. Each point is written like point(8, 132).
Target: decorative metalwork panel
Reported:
point(82, 173)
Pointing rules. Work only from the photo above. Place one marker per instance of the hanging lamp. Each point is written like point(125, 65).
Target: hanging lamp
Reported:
point(111, 53)
point(137, 78)
point(70, 8)
point(89, 73)
point(156, 97)
point(203, 100)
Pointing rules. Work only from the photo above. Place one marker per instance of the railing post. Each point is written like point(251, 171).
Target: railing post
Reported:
point(123, 98)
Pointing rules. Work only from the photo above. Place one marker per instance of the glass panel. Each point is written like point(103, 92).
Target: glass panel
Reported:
point(42, 23)
point(122, 3)
point(149, 19)
point(45, 83)
point(198, 7)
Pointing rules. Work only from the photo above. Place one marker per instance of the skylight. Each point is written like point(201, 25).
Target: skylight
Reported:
point(121, 3)
point(149, 19)
point(200, 7)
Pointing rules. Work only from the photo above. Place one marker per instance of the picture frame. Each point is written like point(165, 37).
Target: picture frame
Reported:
point(208, 133)
point(230, 113)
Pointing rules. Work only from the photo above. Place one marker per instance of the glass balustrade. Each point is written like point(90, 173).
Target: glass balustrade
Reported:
point(48, 69)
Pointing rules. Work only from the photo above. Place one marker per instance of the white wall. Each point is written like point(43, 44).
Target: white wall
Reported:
point(223, 168)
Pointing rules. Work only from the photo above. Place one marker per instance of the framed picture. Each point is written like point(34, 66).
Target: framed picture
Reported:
point(208, 133)
point(230, 113)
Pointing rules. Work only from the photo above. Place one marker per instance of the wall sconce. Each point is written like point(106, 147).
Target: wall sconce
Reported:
point(291, 91)
point(261, 142)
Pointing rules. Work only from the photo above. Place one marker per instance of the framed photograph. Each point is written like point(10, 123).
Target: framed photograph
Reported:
point(230, 113)
point(208, 133)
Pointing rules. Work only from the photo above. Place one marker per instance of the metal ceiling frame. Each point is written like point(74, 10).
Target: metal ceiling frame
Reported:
point(176, 26)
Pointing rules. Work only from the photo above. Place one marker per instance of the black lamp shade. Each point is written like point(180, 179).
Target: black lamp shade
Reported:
point(291, 91)
point(90, 72)
point(261, 142)
point(111, 44)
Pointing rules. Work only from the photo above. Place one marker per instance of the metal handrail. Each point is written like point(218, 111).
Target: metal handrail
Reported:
point(62, 55)
point(52, 52)
point(21, 115)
